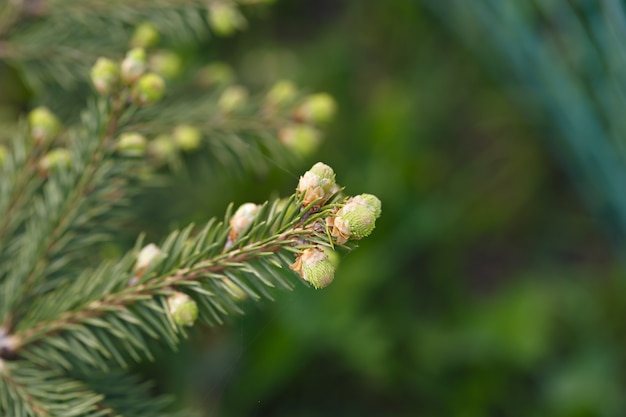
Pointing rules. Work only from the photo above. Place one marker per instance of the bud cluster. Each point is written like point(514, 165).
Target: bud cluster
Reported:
point(352, 220)
point(301, 134)
point(134, 77)
point(225, 18)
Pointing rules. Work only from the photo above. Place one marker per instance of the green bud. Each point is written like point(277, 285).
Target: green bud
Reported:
point(232, 99)
point(303, 140)
point(182, 308)
point(187, 138)
point(105, 75)
point(326, 175)
point(149, 89)
point(225, 18)
point(134, 65)
point(162, 148)
point(4, 154)
point(353, 221)
point(55, 159)
point(316, 183)
point(314, 267)
point(148, 255)
point(216, 73)
point(44, 125)
point(145, 36)
point(167, 64)
point(242, 219)
point(281, 93)
point(236, 291)
point(370, 201)
point(131, 144)
point(317, 108)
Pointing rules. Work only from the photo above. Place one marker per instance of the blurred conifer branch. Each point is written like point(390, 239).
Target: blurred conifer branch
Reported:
point(570, 56)
point(71, 323)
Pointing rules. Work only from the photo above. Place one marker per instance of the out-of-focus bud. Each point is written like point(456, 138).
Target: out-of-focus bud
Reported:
point(149, 89)
point(242, 219)
point(4, 154)
point(237, 293)
point(303, 140)
point(187, 138)
point(352, 221)
point(217, 74)
point(44, 125)
point(314, 267)
point(166, 63)
point(131, 144)
point(147, 256)
point(58, 158)
point(232, 99)
point(281, 93)
point(162, 148)
point(105, 74)
point(317, 108)
point(182, 308)
point(225, 18)
point(133, 65)
point(145, 36)
point(368, 200)
point(316, 183)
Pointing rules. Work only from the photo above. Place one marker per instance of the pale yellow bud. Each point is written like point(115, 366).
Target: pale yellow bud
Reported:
point(182, 308)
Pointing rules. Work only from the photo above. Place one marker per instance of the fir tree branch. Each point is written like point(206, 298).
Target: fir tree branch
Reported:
point(53, 215)
point(102, 322)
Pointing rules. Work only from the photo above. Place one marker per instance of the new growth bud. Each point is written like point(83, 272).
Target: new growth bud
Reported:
point(187, 138)
point(352, 221)
point(370, 201)
point(134, 65)
point(131, 144)
point(281, 93)
point(145, 36)
point(242, 219)
point(162, 148)
point(166, 63)
point(182, 308)
point(148, 255)
point(303, 140)
point(225, 18)
point(44, 125)
point(232, 99)
point(317, 108)
point(314, 267)
point(59, 158)
point(216, 73)
point(149, 89)
point(105, 74)
point(316, 183)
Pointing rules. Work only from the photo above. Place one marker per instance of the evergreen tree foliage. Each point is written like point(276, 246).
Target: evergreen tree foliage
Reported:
point(569, 55)
point(72, 322)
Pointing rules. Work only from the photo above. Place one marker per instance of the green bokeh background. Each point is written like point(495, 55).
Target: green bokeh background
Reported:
point(487, 288)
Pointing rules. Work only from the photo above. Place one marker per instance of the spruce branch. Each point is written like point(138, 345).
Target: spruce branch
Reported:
point(84, 30)
point(69, 328)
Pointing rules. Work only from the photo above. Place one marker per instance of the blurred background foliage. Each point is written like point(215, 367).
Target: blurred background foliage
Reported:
point(489, 288)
